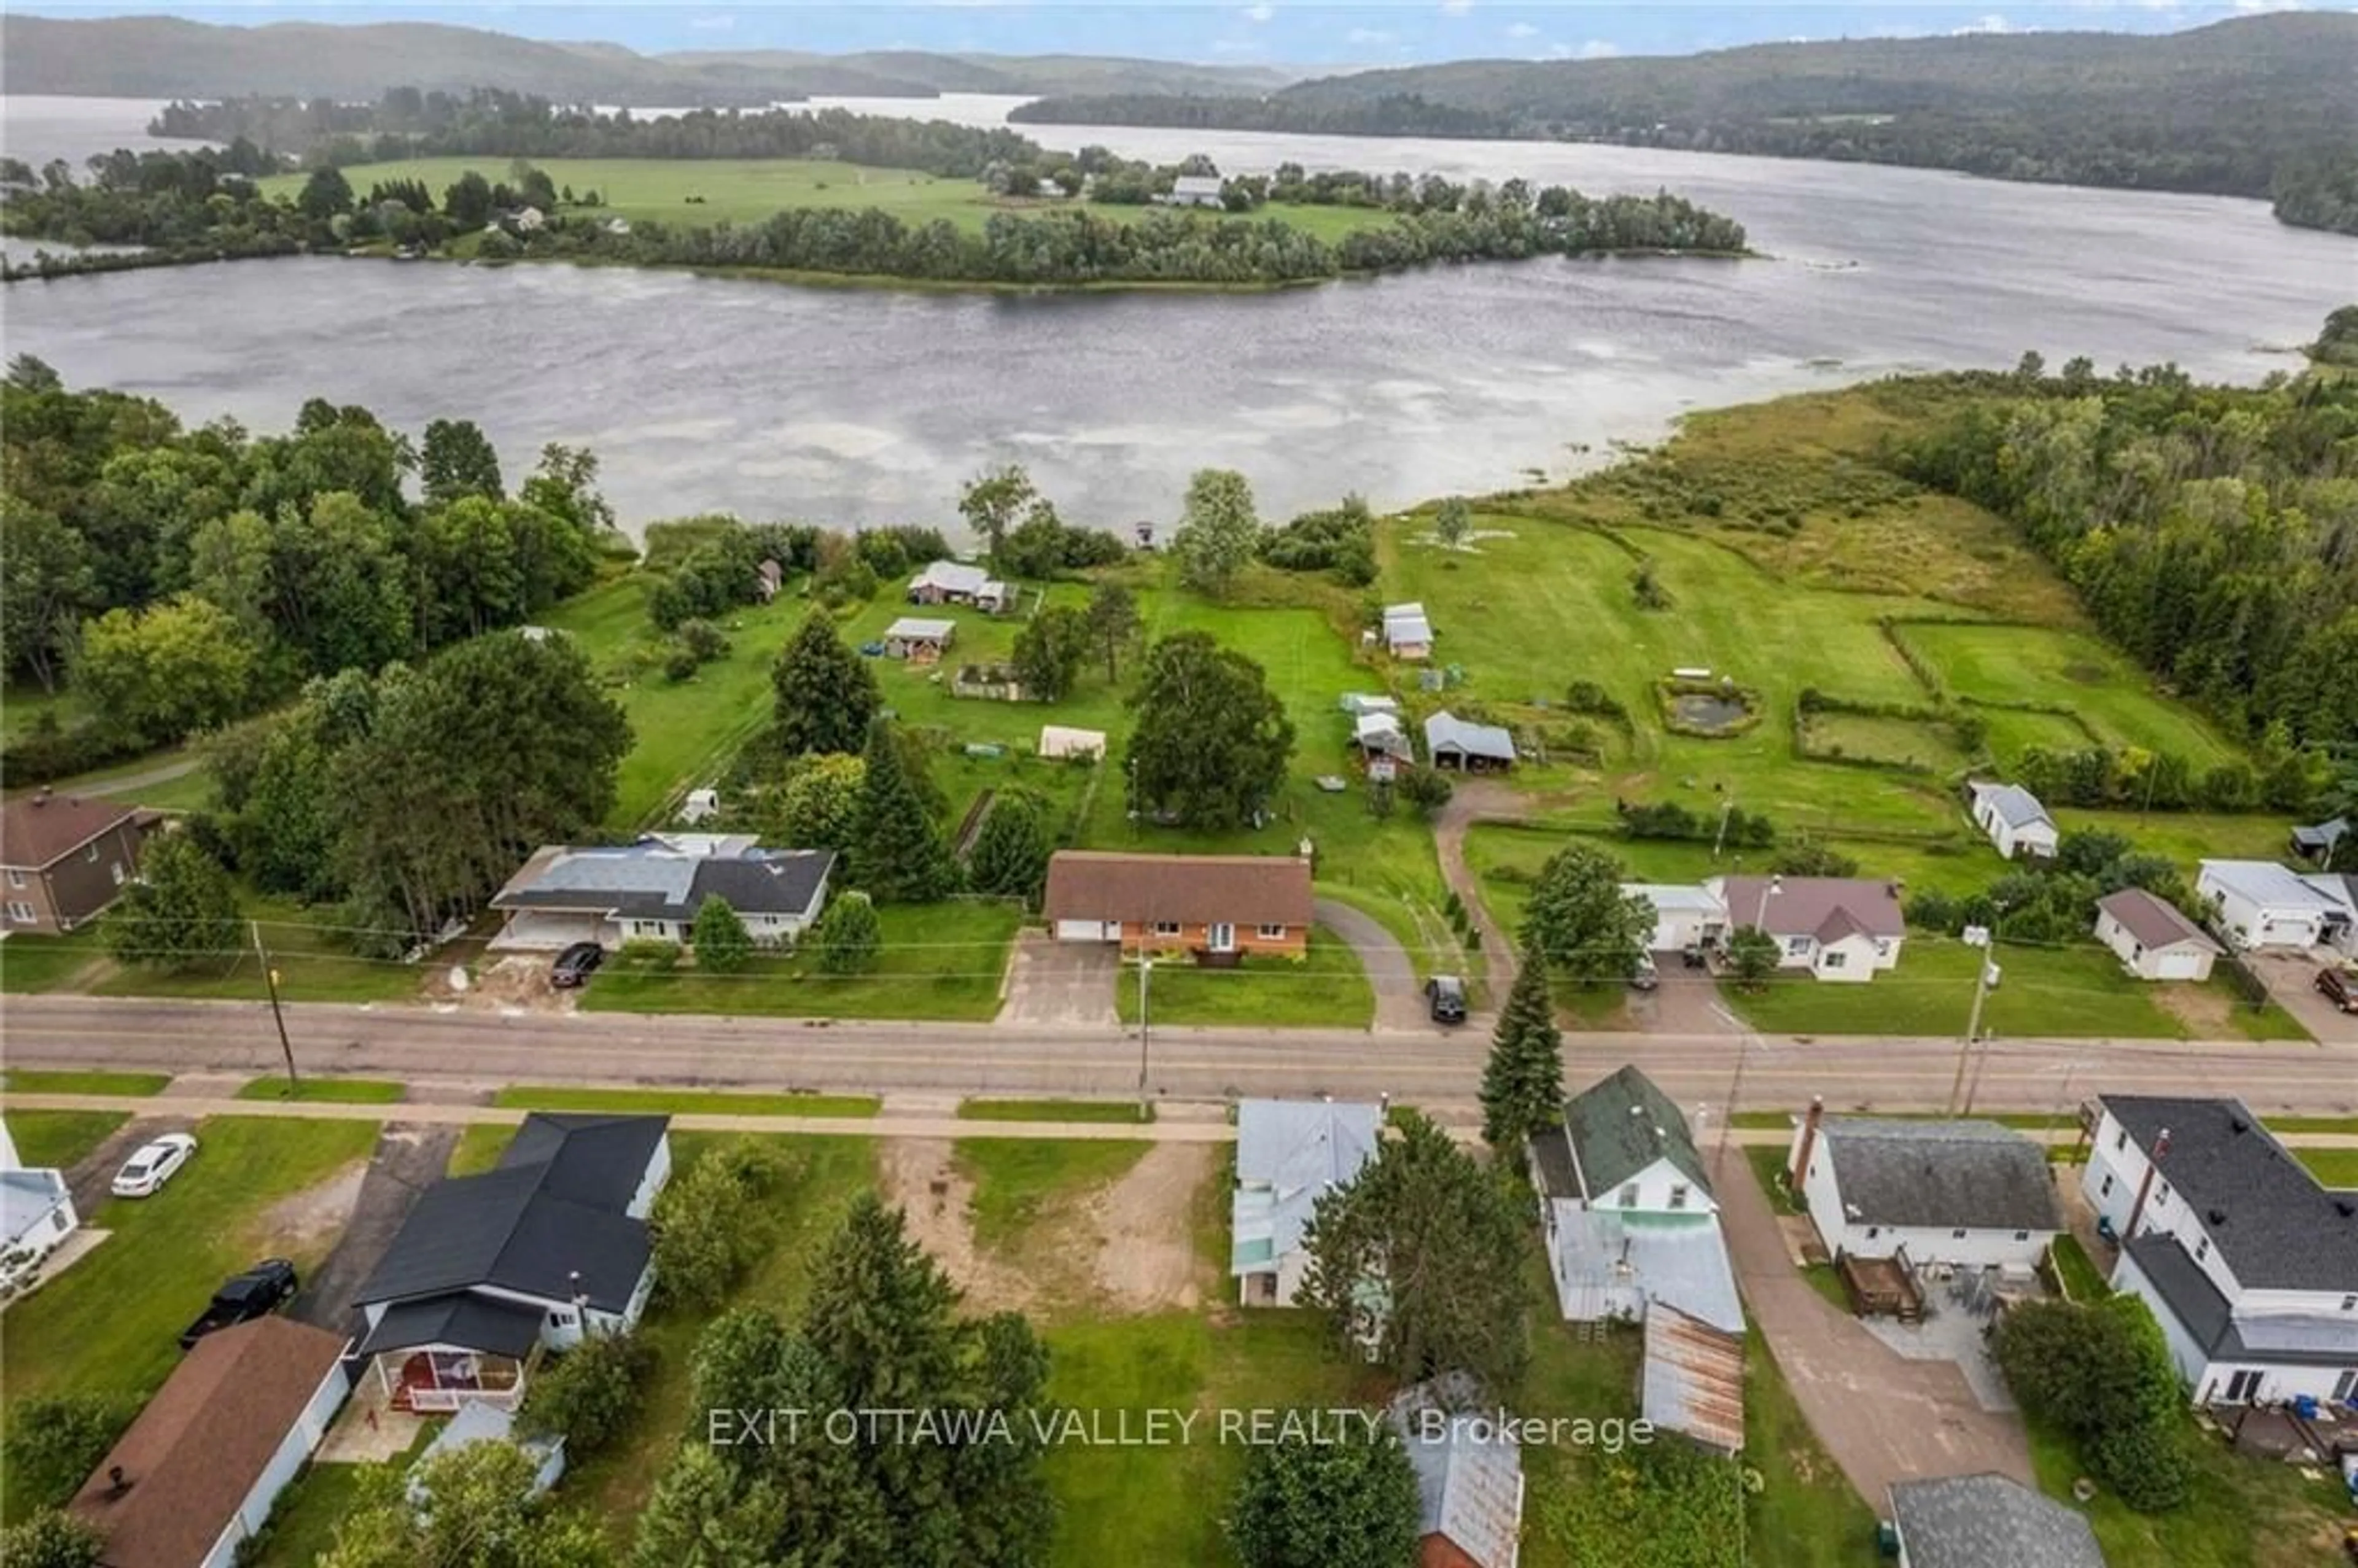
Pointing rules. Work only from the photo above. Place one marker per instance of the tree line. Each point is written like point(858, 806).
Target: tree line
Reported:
point(2211, 531)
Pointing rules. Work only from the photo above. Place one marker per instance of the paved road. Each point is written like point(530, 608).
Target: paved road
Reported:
point(1391, 974)
point(487, 1047)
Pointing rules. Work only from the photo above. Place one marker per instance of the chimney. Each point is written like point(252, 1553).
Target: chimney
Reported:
point(116, 1482)
point(1809, 1142)
point(2136, 1210)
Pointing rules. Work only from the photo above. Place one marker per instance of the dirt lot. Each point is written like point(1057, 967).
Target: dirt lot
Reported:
point(922, 1176)
point(520, 980)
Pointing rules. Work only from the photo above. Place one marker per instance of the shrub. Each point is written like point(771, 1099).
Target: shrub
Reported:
point(53, 1441)
point(646, 954)
point(848, 935)
point(50, 1539)
point(1427, 789)
point(2101, 1373)
point(1813, 860)
point(721, 942)
point(710, 1223)
point(590, 1394)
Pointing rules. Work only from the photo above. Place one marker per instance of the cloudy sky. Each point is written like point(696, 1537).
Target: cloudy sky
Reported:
point(1271, 32)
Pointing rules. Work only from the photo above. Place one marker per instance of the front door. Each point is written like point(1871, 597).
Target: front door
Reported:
point(1224, 937)
point(2243, 1387)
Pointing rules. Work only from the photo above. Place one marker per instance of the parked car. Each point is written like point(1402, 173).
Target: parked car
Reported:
point(259, 1291)
point(1645, 977)
point(155, 1164)
point(575, 964)
point(1444, 997)
point(2338, 989)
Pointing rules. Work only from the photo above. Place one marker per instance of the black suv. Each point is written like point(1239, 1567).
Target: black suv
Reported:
point(2338, 988)
point(575, 964)
point(259, 1291)
point(1445, 997)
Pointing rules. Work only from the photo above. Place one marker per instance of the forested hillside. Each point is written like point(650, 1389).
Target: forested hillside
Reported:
point(2223, 109)
point(2212, 531)
point(161, 56)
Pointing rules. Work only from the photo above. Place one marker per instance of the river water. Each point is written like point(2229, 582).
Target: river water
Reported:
point(860, 407)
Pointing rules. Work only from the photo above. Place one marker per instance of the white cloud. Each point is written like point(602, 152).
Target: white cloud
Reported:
point(722, 22)
point(1260, 13)
point(1594, 49)
point(1993, 22)
point(1522, 30)
point(1371, 35)
point(1455, 8)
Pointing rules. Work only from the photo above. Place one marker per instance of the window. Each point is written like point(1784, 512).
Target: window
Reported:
point(1630, 1195)
point(1873, 1231)
point(1836, 959)
point(91, 854)
point(2022, 1235)
point(2162, 1195)
point(1166, 928)
point(2121, 1140)
point(117, 869)
point(1679, 1195)
point(1270, 932)
point(2106, 1190)
point(2201, 1249)
point(2349, 1303)
point(556, 1320)
point(2344, 1386)
point(1957, 1234)
point(20, 912)
point(1796, 944)
point(15, 878)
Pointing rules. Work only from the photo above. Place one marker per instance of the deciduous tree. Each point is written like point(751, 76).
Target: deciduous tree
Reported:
point(455, 460)
point(1752, 953)
point(161, 673)
point(1049, 651)
point(722, 944)
point(480, 1512)
point(51, 1538)
point(1113, 622)
point(1452, 523)
point(991, 503)
point(824, 695)
point(1579, 917)
point(181, 914)
point(847, 933)
point(1218, 530)
point(1211, 741)
point(591, 1394)
point(1349, 1503)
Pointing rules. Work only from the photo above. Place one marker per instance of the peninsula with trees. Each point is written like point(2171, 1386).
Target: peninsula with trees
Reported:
point(831, 196)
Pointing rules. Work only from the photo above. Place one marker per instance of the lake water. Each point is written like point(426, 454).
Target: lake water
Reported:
point(856, 406)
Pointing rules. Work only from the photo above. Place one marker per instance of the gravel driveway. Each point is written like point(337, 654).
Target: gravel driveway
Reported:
point(1391, 973)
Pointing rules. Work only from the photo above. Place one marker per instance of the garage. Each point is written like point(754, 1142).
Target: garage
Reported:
point(1089, 931)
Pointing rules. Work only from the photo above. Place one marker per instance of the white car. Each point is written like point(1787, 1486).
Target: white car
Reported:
point(146, 1171)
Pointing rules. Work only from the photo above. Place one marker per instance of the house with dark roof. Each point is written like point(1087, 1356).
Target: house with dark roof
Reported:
point(1469, 1475)
point(1838, 928)
point(2152, 940)
point(1626, 1206)
point(64, 858)
point(2248, 1260)
point(651, 890)
point(489, 1270)
point(2013, 818)
point(1988, 1521)
point(1968, 1194)
point(1290, 1153)
point(1212, 906)
point(195, 1474)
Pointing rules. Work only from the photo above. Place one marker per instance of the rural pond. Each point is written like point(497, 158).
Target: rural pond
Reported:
point(853, 406)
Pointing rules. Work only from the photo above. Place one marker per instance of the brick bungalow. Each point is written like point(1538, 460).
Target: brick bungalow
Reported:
point(1209, 905)
point(64, 858)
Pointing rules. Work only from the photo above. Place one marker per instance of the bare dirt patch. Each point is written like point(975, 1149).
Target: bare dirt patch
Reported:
point(518, 980)
point(2206, 1013)
point(1145, 1259)
point(315, 1214)
point(921, 1176)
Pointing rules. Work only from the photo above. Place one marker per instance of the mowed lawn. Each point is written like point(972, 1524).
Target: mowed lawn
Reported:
point(934, 961)
point(59, 1139)
point(2066, 669)
point(111, 1322)
point(1327, 989)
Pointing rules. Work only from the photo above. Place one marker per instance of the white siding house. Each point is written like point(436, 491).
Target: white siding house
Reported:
point(2249, 1262)
point(2014, 820)
point(1844, 929)
point(2152, 940)
point(1970, 1195)
point(1684, 915)
point(2262, 905)
point(37, 1215)
point(1290, 1153)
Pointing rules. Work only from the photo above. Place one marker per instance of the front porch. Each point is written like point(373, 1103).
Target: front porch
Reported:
point(434, 1380)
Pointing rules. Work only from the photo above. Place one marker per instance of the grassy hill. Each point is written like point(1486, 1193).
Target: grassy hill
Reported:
point(160, 57)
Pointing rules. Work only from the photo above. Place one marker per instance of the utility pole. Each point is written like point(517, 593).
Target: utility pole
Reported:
point(1145, 967)
point(1974, 1023)
point(270, 979)
point(1734, 1094)
point(1720, 837)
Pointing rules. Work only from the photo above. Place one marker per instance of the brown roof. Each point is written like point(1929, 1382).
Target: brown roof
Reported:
point(2154, 922)
point(1828, 908)
point(40, 828)
point(194, 1453)
point(1193, 890)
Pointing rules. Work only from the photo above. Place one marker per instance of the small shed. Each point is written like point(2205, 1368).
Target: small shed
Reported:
point(1196, 190)
point(1407, 634)
point(479, 1422)
point(1693, 1378)
point(1061, 741)
point(2014, 820)
point(918, 640)
point(2152, 940)
point(1454, 743)
point(1378, 735)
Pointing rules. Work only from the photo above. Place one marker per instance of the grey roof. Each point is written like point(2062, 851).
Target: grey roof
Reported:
point(1942, 1174)
point(2013, 804)
point(1676, 1259)
point(1804, 906)
point(1686, 898)
point(1552, 1165)
point(2273, 1222)
point(1989, 1521)
point(1445, 731)
point(1406, 623)
point(1623, 1124)
point(653, 881)
point(921, 629)
point(27, 1198)
point(1196, 185)
point(1692, 1379)
point(2267, 883)
point(2155, 922)
point(469, 1322)
point(2210, 1321)
point(1288, 1152)
point(1469, 1473)
point(2340, 886)
point(954, 577)
point(2322, 836)
point(552, 1210)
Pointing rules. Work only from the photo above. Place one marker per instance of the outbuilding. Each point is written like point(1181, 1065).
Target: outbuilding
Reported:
point(1454, 743)
point(2262, 905)
point(2014, 820)
point(2153, 940)
point(919, 640)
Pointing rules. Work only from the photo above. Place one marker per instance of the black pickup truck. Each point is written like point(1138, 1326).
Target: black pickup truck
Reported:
point(259, 1291)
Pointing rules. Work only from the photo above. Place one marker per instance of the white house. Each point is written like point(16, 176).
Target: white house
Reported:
point(1629, 1211)
point(2152, 940)
point(194, 1476)
point(490, 1270)
point(2262, 905)
point(954, 582)
point(651, 891)
point(1684, 915)
point(1289, 1153)
point(2248, 1262)
point(1838, 928)
point(1968, 1194)
point(2014, 819)
point(1195, 191)
point(37, 1215)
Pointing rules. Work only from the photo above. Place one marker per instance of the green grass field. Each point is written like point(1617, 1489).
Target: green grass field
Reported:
point(1908, 741)
point(28, 1081)
point(2072, 669)
point(935, 961)
point(2335, 1167)
point(1328, 990)
point(109, 1324)
point(479, 1147)
point(1075, 1110)
point(700, 1102)
point(341, 1091)
point(60, 1139)
point(746, 190)
point(2241, 1511)
point(1016, 1181)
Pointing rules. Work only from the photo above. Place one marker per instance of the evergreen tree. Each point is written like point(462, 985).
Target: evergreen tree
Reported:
point(182, 912)
point(897, 854)
point(1523, 1086)
point(702, 1517)
point(719, 935)
point(825, 694)
point(1011, 849)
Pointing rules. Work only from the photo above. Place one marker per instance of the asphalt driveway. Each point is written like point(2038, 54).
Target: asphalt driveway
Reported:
point(2292, 980)
point(1391, 973)
point(1061, 982)
point(409, 1158)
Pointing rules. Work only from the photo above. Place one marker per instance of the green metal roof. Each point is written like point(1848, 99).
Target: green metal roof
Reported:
point(1622, 1124)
